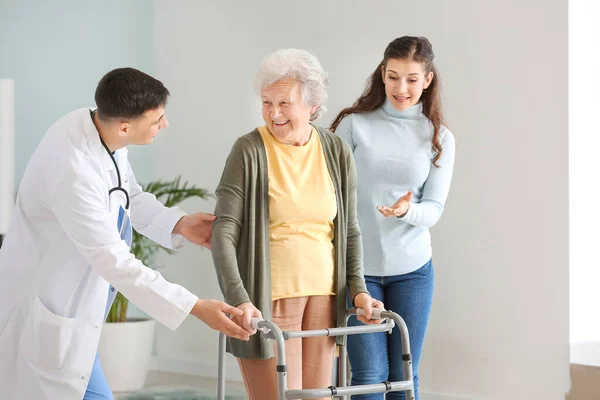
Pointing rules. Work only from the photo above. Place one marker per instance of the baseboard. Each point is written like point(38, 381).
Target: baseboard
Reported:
point(429, 395)
point(190, 367)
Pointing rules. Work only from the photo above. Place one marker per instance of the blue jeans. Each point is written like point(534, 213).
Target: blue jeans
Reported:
point(377, 357)
point(97, 387)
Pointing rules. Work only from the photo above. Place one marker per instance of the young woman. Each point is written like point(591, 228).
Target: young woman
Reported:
point(404, 158)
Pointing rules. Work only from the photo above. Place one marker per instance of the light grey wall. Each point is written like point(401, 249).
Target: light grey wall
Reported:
point(499, 326)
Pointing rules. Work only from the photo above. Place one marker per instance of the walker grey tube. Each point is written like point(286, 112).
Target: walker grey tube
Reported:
point(221, 368)
point(353, 330)
point(276, 334)
point(342, 368)
point(349, 390)
point(406, 354)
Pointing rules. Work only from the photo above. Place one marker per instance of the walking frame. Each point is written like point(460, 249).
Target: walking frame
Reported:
point(270, 330)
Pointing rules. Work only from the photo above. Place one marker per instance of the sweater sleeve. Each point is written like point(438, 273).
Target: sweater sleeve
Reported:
point(427, 212)
point(229, 211)
point(344, 130)
point(354, 251)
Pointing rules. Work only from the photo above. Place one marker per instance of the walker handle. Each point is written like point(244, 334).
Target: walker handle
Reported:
point(376, 312)
point(254, 323)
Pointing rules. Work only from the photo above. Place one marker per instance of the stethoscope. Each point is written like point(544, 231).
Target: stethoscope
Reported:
point(119, 187)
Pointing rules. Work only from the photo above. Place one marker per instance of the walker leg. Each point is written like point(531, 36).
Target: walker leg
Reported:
point(221, 369)
point(273, 332)
point(408, 375)
point(406, 357)
point(410, 394)
point(343, 363)
point(281, 369)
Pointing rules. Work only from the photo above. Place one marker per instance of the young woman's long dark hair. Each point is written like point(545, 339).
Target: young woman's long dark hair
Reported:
point(410, 48)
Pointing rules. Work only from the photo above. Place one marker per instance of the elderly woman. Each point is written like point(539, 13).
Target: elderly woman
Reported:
point(286, 241)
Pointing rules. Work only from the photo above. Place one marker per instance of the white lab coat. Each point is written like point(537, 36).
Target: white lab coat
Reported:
point(61, 251)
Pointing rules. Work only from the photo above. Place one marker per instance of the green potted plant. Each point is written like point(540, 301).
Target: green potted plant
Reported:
point(126, 344)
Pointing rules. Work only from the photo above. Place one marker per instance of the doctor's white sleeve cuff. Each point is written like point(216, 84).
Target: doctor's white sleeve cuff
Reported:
point(175, 319)
point(161, 228)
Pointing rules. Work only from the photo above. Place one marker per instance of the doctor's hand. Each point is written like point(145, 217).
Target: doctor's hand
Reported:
point(367, 303)
point(245, 320)
point(400, 207)
point(197, 228)
point(213, 313)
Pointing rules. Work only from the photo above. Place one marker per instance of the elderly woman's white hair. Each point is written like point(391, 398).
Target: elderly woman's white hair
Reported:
point(300, 65)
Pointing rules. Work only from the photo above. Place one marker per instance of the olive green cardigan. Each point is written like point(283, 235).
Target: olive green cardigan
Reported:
point(240, 238)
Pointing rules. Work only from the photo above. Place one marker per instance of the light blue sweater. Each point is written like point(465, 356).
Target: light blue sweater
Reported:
point(392, 151)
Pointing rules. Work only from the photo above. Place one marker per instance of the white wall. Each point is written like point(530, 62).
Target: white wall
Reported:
point(57, 51)
point(584, 138)
point(499, 326)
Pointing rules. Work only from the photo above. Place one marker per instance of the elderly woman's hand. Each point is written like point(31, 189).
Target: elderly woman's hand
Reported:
point(245, 319)
point(367, 303)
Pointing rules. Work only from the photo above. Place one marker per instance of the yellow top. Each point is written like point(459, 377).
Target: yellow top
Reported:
point(302, 207)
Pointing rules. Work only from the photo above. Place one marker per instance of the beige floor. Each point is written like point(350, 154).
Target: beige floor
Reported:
point(585, 383)
point(165, 379)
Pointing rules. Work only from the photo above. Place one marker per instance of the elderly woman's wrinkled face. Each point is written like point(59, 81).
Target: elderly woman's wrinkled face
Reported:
point(286, 114)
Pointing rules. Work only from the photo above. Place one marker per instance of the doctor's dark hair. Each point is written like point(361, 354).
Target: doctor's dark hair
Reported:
point(126, 93)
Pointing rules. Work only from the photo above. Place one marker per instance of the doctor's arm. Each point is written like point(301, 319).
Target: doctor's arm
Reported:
point(80, 206)
point(166, 226)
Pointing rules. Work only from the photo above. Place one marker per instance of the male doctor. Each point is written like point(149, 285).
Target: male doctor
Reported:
point(67, 250)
